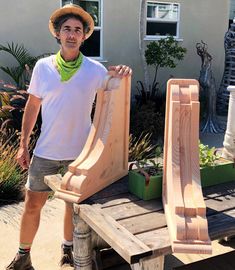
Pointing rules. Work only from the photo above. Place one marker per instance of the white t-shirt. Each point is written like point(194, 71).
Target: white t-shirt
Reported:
point(66, 107)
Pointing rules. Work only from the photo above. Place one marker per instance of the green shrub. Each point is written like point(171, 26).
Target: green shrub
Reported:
point(148, 112)
point(146, 119)
point(141, 147)
point(152, 164)
point(12, 177)
point(12, 107)
point(207, 155)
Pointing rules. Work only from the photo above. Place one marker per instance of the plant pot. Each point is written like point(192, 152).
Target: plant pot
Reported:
point(152, 188)
point(138, 186)
point(218, 174)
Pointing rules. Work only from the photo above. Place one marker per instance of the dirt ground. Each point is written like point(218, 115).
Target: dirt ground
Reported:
point(46, 247)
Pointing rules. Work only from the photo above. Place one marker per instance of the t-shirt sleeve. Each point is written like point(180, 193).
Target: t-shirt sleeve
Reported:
point(34, 86)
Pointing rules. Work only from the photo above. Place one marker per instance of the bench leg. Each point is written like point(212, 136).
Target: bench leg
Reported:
point(82, 244)
point(149, 263)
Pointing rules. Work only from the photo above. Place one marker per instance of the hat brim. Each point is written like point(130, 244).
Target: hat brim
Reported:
point(72, 9)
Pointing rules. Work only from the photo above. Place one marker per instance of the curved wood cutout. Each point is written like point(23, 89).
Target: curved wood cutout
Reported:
point(104, 158)
point(182, 194)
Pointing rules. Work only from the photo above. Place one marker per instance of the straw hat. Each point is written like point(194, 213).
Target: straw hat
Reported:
point(74, 9)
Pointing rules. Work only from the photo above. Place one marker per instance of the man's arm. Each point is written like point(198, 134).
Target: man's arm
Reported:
point(29, 119)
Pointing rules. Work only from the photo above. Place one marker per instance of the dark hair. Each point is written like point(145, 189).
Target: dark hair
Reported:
point(62, 19)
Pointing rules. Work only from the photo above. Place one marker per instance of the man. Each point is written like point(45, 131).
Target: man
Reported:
point(64, 87)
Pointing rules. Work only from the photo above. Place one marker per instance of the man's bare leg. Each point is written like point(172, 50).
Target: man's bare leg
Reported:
point(67, 245)
point(68, 222)
point(34, 201)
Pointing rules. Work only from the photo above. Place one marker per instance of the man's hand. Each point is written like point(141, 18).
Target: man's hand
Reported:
point(119, 71)
point(23, 157)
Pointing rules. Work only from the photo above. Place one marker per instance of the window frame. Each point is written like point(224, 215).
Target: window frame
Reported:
point(96, 28)
point(148, 19)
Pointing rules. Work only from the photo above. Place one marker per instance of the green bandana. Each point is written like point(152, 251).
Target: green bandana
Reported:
point(68, 69)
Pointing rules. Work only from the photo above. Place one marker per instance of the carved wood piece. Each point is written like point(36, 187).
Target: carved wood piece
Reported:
point(184, 206)
point(104, 158)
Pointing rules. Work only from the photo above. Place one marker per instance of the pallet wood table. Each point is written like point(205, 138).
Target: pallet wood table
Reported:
point(137, 229)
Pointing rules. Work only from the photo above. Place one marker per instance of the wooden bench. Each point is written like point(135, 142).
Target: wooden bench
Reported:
point(136, 229)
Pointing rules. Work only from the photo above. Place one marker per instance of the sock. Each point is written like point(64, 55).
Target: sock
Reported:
point(24, 248)
point(67, 244)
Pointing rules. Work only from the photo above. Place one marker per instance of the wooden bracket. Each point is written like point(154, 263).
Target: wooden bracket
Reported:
point(104, 158)
point(182, 194)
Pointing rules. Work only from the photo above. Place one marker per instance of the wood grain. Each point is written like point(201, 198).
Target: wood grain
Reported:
point(182, 194)
point(104, 158)
point(125, 243)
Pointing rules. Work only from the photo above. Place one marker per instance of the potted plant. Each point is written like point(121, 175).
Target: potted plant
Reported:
point(213, 168)
point(145, 181)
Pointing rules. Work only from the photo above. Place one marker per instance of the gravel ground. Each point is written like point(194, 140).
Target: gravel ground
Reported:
point(46, 248)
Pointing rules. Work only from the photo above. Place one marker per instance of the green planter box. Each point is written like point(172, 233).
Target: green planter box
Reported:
point(221, 173)
point(210, 176)
point(137, 186)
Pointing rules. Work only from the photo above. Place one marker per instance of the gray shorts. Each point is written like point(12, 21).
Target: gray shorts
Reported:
point(40, 167)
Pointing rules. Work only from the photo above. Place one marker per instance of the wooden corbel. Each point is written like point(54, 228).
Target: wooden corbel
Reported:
point(104, 158)
point(183, 201)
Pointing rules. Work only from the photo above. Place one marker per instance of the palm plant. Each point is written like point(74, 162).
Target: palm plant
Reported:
point(20, 73)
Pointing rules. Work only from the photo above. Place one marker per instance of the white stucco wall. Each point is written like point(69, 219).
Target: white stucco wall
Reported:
point(205, 20)
point(26, 21)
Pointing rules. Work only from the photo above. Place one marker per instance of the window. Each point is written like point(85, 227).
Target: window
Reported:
point(93, 45)
point(162, 19)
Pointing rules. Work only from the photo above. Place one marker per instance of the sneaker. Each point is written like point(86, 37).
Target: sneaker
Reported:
point(66, 261)
point(22, 262)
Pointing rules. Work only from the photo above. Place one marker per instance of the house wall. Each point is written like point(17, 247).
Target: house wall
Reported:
point(198, 21)
point(26, 22)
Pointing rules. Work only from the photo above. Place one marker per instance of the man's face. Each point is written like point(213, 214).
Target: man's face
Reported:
point(71, 34)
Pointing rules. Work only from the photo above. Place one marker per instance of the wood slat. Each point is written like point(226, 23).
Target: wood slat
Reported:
point(117, 200)
point(132, 209)
point(221, 262)
point(120, 239)
point(221, 203)
point(219, 190)
point(158, 240)
point(120, 187)
point(144, 223)
point(220, 225)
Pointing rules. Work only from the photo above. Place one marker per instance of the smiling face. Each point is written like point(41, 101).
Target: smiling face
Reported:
point(71, 35)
